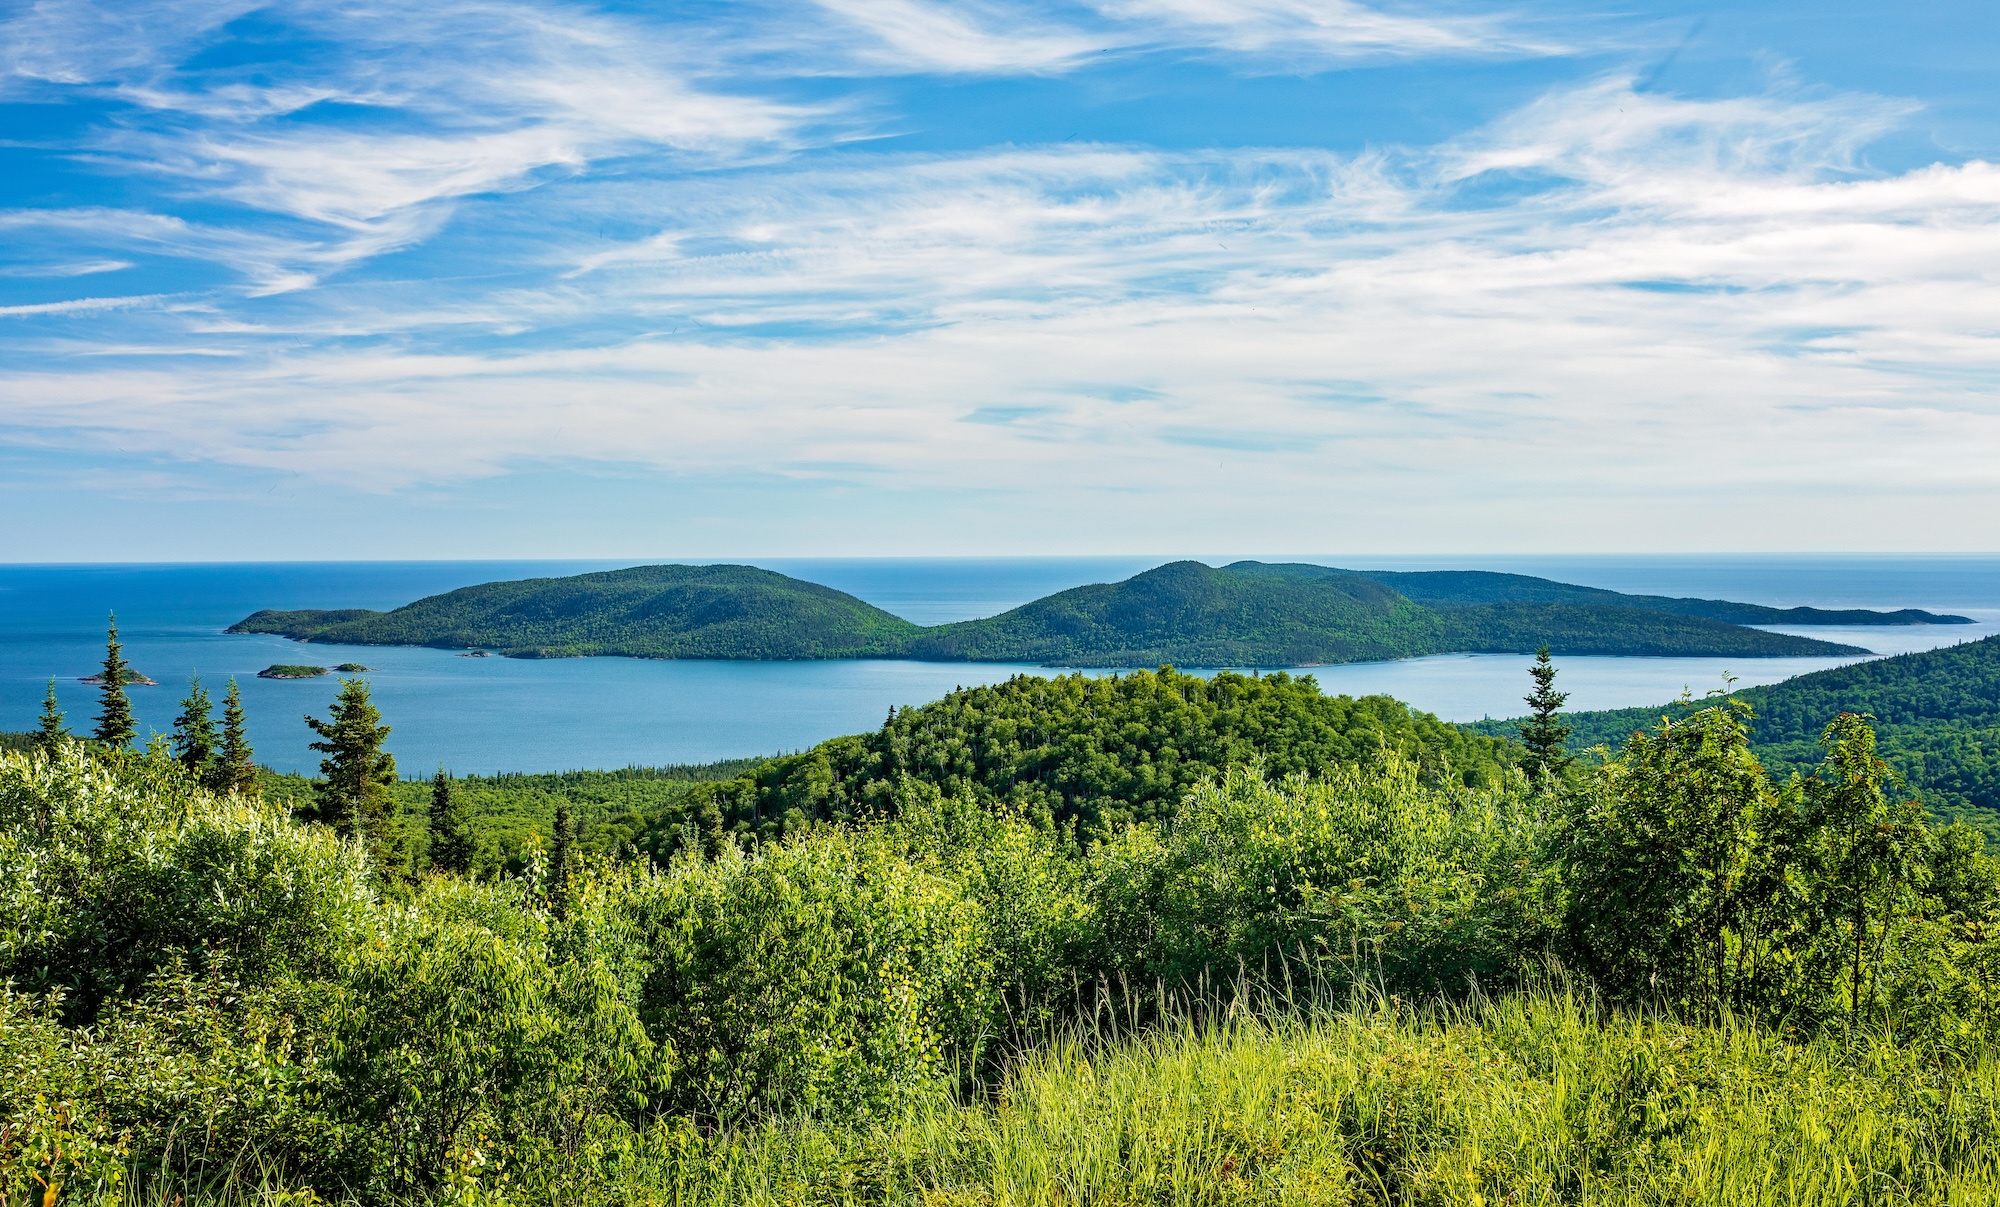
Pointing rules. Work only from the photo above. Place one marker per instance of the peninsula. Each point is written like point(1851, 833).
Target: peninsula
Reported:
point(1186, 613)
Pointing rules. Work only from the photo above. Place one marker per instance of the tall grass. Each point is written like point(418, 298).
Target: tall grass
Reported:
point(1535, 1098)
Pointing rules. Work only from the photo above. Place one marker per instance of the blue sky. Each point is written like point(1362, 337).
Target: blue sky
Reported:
point(420, 278)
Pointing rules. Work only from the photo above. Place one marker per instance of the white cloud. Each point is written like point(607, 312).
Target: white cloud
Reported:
point(438, 101)
point(1337, 29)
point(83, 305)
point(1689, 303)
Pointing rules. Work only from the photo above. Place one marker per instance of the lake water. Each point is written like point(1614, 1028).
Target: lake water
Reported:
point(480, 715)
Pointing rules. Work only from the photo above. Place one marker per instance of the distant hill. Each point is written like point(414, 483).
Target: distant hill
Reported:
point(1459, 588)
point(1257, 614)
point(1186, 613)
point(1937, 715)
point(735, 612)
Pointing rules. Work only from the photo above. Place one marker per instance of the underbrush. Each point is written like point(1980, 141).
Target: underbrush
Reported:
point(1336, 989)
point(1539, 1097)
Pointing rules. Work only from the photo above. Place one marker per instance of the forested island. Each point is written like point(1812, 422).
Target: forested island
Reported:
point(1185, 613)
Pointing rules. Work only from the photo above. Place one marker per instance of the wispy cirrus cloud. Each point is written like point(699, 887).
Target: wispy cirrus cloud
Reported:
point(1135, 315)
point(411, 247)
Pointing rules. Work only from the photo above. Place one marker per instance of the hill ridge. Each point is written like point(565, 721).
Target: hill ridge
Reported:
point(1187, 613)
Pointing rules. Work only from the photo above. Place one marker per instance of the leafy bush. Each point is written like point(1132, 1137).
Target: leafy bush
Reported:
point(1364, 872)
point(948, 999)
point(112, 868)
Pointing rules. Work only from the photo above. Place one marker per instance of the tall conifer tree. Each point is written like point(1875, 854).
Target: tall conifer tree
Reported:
point(353, 797)
point(51, 733)
point(194, 732)
point(233, 770)
point(559, 861)
point(115, 727)
point(1544, 733)
point(450, 828)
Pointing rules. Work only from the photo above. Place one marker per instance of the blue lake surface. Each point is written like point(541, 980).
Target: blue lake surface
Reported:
point(481, 715)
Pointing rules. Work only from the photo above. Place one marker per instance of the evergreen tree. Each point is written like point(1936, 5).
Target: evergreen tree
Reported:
point(1543, 733)
point(194, 732)
point(559, 861)
point(232, 771)
point(450, 828)
point(51, 733)
point(115, 727)
point(353, 795)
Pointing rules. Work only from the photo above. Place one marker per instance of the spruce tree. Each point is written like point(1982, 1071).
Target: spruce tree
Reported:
point(115, 727)
point(353, 795)
point(194, 732)
point(559, 861)
point(51, 733)
point(232, 771)
point(450, 828)
point(1544, 733)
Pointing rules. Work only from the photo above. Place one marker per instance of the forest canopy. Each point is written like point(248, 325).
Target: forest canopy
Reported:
point(1247, 614)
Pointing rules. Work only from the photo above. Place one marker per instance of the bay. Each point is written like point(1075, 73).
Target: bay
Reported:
point(484, 715)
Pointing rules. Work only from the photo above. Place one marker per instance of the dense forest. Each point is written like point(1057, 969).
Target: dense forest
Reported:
point(1938, 713)
point(644, 612)
point(1086, 756)
point(1408, 973)
point(1457, 588)
point(615, 812)
point(1184, 613)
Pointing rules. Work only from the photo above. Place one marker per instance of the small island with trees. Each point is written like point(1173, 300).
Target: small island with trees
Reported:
point(284, 670)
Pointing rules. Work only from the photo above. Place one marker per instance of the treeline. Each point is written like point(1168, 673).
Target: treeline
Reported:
point(1937, 713)
point(513, 815)
point(196, 977)
point(1084, 756)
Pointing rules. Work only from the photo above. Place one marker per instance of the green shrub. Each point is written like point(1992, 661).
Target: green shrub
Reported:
point(824, 974)
point(1360, 873)
point(113, 867)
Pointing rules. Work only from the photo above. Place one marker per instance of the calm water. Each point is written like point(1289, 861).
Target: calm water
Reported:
point(497, 714)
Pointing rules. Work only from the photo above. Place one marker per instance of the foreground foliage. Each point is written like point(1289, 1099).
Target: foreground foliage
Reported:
point(1938, 713)
point(1793, 996)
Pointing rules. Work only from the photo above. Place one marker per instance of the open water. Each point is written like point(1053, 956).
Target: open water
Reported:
point(481, 715)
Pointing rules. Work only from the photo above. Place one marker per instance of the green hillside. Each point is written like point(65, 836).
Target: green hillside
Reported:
point(1093, 753)
point(1257, 614)
point(1460, 588)
point(1184, 613)
point(1937, 712)
point(644, 612)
